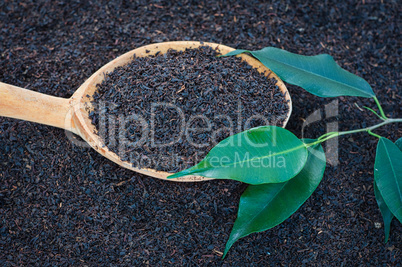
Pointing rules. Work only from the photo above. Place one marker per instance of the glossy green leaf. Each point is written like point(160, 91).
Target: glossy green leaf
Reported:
point(387, 215)
point(266, 154)
point(319, 75)
point(388, 175)
point(398, 143)
point(385, 212)
point(265, 206)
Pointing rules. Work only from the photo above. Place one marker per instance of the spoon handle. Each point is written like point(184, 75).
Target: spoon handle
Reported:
point(23, 104)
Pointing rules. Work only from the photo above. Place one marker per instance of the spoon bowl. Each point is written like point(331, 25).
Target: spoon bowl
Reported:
point(72, 114)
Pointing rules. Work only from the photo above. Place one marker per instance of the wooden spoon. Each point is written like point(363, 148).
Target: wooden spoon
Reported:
point(72, 114)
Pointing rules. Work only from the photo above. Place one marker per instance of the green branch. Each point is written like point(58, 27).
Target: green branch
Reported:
point(369, 130)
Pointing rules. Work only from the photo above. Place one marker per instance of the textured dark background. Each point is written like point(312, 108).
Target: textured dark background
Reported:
point(61, 204)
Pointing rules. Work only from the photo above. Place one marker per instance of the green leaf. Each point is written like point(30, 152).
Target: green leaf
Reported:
point(387, 215)
point(319, 75)
point(388, 175)
point(265, 206)
point(398, 143)
point(385, 212)
point(266, 154)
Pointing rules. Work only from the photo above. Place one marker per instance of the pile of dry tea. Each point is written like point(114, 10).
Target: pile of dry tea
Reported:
point(166, 112)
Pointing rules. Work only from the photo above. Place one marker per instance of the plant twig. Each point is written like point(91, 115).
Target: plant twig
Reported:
point(375, 113)
point(369, 130)
point(380, 108)
point(373, 134)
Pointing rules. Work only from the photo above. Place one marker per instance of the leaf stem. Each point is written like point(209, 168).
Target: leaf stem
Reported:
point(373, 134)
point(375, 113)
point(369, 130)
point(380, 108)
